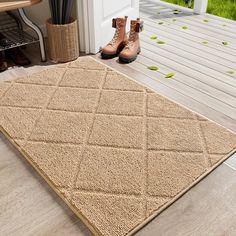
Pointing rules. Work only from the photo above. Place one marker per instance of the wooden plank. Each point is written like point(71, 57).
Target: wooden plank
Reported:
point(167, 5)
point(207, 29)
point(223, 52)
point(151, 3)
point(154, 7)
point(202, 36)
point(188, 91)
point(221, 19)
point(202, 19)
point(187, 45)
point(188, 81)
point(213, 23)
point(190, 68)
point(191, 53)
point(148, 12)
point(172, 94)
point(232, 162)
point(191, 20)
point(188, 40)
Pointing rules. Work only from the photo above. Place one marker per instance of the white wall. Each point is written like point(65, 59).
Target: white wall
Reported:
point(39, 13)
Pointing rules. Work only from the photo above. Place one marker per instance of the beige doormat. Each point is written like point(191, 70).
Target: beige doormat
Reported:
point(116, 152)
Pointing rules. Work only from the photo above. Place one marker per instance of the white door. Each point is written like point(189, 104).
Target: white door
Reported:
point(97, 20)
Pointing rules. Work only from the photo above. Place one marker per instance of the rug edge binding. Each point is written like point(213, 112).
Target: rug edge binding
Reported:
point(91, 227)
point(164, 96)
point(181, 194)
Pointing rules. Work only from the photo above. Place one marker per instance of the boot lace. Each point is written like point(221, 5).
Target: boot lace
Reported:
point(131, 38)
point(114, 39)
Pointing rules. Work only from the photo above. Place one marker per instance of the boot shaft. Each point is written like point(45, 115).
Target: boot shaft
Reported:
point(132, 49)
point(120, 25)
point(136, 26)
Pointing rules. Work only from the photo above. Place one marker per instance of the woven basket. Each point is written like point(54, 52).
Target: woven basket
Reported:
point(63, 41)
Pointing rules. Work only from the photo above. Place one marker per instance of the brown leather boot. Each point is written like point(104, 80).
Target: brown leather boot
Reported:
point(3, 63)
point(132, 49)
point(119, 40)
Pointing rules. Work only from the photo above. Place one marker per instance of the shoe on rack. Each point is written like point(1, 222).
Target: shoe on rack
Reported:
point(3, 63)
point(132, 49)
point(118, 42)
point(17, 56)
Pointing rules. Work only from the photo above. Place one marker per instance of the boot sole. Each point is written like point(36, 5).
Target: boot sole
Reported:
point(129, 60)
point(108, 56)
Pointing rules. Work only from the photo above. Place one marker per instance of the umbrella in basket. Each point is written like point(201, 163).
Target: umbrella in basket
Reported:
point(61, 11)
point(68, 9)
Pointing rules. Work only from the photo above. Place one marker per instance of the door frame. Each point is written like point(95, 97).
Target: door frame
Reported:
point(88, 25)
point(83, 19)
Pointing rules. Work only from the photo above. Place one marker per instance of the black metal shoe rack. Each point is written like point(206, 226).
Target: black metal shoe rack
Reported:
point(12, 33)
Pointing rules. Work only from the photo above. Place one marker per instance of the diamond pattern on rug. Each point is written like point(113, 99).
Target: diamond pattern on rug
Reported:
point(223, 139)
point(117, 81)
point(121, 103)
point(18, 122)
point(59, 157)
point(47, 77)
point(82, 79)
point(87, 64)
point(117, 131)
point(74, 99)
point(115, 215)
point(26, 95)
point(3, 88)
point(102, 174)
point(159, 106)
point(164, 134)
point(116, 151)
point(165, 169)
point(61, 127)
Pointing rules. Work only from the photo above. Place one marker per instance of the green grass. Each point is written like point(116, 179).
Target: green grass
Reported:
point(223, 8)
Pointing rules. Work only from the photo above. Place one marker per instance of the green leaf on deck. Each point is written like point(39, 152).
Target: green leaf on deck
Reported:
point(174, 20)
point(224, 25)
point(155, 68)
point(176, 12)
point(160, 42)
point(206, 20)
point(170, 75)
point(185, 27)
point(160, 23)
point(153, 37)
point(204, 42)
point(230, 72)
point(225, 43)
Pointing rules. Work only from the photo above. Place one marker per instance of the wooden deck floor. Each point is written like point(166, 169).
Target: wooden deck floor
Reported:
point(193, 49)
point(201, 82)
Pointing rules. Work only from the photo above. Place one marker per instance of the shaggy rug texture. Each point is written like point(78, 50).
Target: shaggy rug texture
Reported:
point(116, 152)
